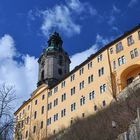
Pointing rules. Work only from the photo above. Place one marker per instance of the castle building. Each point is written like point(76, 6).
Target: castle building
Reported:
point(63, 95)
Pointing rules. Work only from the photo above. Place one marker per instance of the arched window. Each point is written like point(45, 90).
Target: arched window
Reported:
point(60, 71)
point(42, 75)
point(60, 61)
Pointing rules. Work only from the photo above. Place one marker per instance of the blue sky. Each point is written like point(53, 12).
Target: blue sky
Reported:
point(85, 26)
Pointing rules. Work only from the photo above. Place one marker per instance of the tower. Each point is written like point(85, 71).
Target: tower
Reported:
point(54, 62)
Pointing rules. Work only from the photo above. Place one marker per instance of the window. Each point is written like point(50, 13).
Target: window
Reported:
point(73, 106)
point(27, 121)
point(43, 97)
point(49, 121)
point(114, 65)
point(103, 88)
point(42, 75)
point(104, 103)
point(22, 123)
point(63, 84)
point(121, 60)
point(139, 35)
point(50, 106)
point(56, 102)
point(91, 95)
point(55, 89)
point(119, 47)
point(26, 135)
point(35, 102)
point(28, 107)
point(81, 71)
point(111, 50)
point(49, 93)
point(130, 40)
point(81, 85)
point(63, 112)
point(72, 91)
point(134, 53)
point(60, 72)
point(56, 117)
point(41, 125)
point(34, 129)
point(101, 71)
point(90, 79)
point(83, 115)
point(42, 110)
point(63, 97)
point(72, 77)
point(35, 114)
point(54, 131)
point(82, 100)
point(89, 65)
point(99, 58)
point(60, 62)
point(95, 107)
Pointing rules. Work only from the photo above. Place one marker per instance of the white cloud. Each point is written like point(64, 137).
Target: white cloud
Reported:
point(22, 75)
point(112, 17)
point(59, 17)
point(64, 17)
point(115, 9)
point(80, 57)
point(132, 3)
point(79, 7)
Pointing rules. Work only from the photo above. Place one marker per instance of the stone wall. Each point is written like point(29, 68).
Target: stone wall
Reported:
point(133, 132)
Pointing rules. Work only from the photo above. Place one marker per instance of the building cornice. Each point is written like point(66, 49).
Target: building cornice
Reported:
point(98, 52)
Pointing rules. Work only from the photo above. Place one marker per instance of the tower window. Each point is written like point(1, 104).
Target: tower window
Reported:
point(60, 71)
point(60, 61)
point(42, 75)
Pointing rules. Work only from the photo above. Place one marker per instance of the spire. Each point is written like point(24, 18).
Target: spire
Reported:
point(54, 43)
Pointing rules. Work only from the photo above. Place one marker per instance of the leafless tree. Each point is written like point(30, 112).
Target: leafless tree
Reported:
point(7, 97)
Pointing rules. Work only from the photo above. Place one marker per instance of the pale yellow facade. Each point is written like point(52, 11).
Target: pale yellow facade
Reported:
point(84, 90)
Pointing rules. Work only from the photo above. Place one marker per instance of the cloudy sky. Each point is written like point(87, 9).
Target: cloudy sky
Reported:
point(85, 27)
